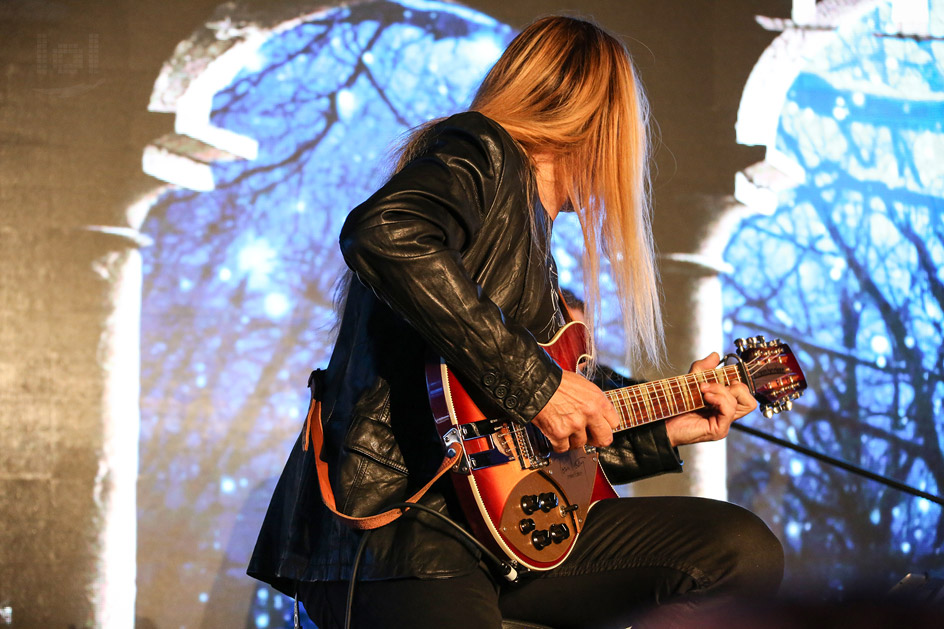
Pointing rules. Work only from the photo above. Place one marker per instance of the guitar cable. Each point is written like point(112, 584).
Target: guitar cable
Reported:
point(506, 569)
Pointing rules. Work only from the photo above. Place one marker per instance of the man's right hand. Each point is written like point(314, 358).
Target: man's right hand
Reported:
point(576, 415)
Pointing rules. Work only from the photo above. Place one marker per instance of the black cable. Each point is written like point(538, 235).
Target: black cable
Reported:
point(350, 588)
point(849, 467)
point(506, 569)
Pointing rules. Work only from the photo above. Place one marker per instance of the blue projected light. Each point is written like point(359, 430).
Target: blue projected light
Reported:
point(848, 271)
point(241, 279)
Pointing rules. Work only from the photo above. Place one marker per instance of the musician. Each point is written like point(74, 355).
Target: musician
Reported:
point(451, 258)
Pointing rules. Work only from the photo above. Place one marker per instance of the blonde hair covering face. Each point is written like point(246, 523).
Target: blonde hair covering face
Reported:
point(565, 87)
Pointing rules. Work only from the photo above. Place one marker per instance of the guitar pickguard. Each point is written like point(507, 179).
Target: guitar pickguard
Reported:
point(569, 478)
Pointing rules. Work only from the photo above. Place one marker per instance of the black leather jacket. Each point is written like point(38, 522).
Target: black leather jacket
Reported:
point(448, 262)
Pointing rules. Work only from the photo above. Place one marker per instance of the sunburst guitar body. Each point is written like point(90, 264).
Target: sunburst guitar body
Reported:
point(530, 503)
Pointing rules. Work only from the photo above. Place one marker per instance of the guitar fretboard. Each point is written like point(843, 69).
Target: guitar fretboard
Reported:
point(651, 401)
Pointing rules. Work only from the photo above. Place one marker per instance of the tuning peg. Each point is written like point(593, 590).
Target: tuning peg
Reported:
point(767, 411)
point(759, 340)
point(739, 344)
point(773, 343)
point(788, 404)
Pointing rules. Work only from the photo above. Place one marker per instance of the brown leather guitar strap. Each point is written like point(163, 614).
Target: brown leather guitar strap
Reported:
point(314, 433)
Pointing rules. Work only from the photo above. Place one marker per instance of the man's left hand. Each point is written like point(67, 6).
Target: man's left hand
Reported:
point(723, 405)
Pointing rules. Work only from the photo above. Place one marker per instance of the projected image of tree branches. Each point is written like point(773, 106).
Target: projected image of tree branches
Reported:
point(239, 284)
point(848, 271)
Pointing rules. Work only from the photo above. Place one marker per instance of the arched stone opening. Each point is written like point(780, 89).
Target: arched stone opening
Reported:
point(282, 116)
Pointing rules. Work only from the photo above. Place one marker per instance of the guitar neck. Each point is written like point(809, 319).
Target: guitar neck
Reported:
point(651, 401)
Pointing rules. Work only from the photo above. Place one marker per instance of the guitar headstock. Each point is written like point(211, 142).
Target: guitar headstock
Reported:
point(773, 373)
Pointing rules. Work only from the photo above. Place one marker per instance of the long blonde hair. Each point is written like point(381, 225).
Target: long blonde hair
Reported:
point(567, 88)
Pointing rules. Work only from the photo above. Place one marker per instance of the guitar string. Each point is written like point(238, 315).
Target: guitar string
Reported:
point(787, 381)
point(627, 399)
point(628, 406)
point(684, 382)
point(662, 393)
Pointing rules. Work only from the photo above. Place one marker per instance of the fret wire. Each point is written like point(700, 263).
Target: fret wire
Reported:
point(644, 394)
point(630, 408)
point(642, 399)
point(652, 400)
point(631, 401)
point(664, 405)
point(670, 396)
point(684, 387)
point(673, 402)
point(645, 407)
point(633, 396)
point(622, 408)
point(701, 396)
point(664, 400)
point(677, 398)
point(630, 418)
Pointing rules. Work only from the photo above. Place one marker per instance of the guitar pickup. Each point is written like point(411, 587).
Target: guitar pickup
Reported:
point(488, 458)
point(481, 428)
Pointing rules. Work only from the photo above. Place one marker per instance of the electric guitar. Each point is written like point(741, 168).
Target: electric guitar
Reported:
point(530, 502)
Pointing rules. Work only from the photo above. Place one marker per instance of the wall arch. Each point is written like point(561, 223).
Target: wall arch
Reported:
point(282, 118)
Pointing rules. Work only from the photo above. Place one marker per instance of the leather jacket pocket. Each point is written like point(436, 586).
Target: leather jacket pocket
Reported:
point(375, 440)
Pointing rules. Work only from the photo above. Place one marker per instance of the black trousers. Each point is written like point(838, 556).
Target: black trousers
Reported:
point(645, 562)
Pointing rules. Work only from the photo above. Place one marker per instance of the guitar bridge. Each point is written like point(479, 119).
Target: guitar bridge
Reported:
point(534, 450)
point(506, 441)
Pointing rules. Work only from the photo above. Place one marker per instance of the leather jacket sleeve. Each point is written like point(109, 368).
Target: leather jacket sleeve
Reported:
point(406, 242)
point(639, 453)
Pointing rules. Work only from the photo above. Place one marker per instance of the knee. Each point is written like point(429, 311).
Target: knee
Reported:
point(755, 556)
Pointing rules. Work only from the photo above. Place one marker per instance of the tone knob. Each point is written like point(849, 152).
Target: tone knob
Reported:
point(540, 539)
point(559, 532)
point(547, 501)
point(526, 525)
point(529, 504)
